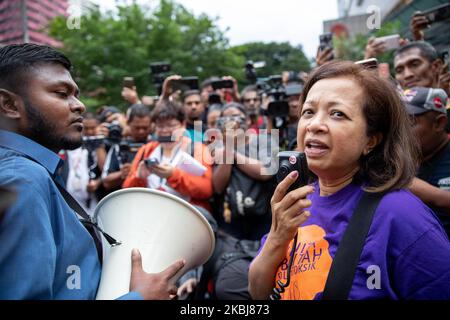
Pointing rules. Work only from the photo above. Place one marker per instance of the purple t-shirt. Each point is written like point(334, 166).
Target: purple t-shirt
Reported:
point(406, 254)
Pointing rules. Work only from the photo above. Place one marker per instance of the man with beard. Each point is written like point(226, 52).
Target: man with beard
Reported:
point(194, 109)
point(46, 251)
point(252, 102)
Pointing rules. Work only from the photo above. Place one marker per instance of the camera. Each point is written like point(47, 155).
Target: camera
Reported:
point(289, 161)
point(115, 132)
point(160, 67)
point(128, 82)
point(294, 89)
point(326, 41)
point(439, 13)
point(92, 143)
point(128, 150)
point(274, 88)
point(185, 84)
point(250, 70)
point(151, 162)
point(214, 98)
point(158, 70)
point(222, 84)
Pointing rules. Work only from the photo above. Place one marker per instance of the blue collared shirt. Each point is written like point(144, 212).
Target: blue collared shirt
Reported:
point(45, 252)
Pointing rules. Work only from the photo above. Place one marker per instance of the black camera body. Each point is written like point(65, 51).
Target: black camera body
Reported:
point(128, 149)
point(289, 161)
point(439, 13)
point(222, 84)
point(115, 132)
point(185, 84)
point(160, 67)
point(273, 87)
point(326, 41)
point(92, 143)
point(158, 70)
point(151, 162)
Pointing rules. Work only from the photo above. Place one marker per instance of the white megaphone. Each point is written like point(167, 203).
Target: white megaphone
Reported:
point(162, 226)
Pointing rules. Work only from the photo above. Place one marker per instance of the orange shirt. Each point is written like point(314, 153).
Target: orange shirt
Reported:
point(198, 188)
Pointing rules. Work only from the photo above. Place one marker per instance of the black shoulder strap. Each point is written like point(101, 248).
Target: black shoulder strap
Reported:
point(343, 268)
point(86, 221)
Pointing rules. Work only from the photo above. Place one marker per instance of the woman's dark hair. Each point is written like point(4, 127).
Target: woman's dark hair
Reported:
point(167, 110)
point(392, 163)
point(236, 105)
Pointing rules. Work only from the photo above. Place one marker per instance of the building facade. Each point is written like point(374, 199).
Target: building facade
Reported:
point(26, 20)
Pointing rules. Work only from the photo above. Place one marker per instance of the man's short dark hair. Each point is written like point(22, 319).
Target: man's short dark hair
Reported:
point(138, 111)
point(249, 88)
point(189, 93)
point(426, 50)
point(167, 110)
point(18, 59)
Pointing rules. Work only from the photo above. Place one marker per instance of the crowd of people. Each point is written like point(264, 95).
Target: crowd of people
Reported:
point(362, 133)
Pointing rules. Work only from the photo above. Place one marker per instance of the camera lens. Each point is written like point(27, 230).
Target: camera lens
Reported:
point(284, 170)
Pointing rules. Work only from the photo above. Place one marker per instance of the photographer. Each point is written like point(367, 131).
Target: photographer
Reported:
point(194, 109)
point(122, 152)
point(242, 175)
point(85, 165)
point(166, 169)
point(251, 100)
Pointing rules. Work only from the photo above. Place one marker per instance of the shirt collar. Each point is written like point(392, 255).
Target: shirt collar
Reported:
point(31, 149)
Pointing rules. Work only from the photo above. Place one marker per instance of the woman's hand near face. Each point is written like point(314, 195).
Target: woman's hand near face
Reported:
point(288, 210)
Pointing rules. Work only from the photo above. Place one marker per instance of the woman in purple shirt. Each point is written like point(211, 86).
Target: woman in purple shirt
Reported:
point(355, 133)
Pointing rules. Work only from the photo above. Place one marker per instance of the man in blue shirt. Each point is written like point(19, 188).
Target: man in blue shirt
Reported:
point(46, 252)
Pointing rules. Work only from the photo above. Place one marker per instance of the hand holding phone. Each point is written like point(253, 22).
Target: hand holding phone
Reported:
point(289, 161)
point(390, 42)
point(151, 162)
point(371, 63)
point(128, 82)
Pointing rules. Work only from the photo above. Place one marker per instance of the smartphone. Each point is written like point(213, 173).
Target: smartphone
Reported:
point(390, 42)
point(185, 84)
point(128, 82)
point(151, 162)
point(289, 161)
point(371, 63)
point(438, 13)
point(214, 98)
point(222, 84)
point(445, 56)
point(159, 67)
point(326, 41)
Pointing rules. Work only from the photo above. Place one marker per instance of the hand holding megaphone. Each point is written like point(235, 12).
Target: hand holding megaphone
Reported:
point(153, 286)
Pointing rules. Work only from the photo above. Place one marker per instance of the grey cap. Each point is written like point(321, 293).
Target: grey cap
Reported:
point(419, 100)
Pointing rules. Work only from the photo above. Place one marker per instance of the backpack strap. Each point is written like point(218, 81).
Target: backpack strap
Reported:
point(343, 268)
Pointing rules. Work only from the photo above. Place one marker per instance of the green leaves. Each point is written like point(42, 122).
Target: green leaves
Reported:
point(112, 45)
